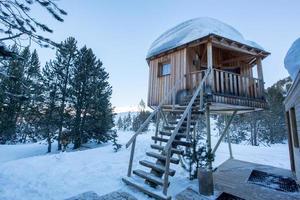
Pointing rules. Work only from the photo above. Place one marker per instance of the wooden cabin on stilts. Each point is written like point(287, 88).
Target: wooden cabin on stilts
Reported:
point(199, 68)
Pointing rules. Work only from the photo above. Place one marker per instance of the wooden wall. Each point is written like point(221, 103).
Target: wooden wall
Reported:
point(293, 101)
point(161, 85)
point(182, 64)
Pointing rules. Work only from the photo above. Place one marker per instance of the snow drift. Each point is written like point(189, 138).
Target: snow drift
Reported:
point(292, 59)
point(194, 29)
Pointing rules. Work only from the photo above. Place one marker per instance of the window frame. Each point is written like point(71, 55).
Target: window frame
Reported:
point(293, 127)
point(161, 69)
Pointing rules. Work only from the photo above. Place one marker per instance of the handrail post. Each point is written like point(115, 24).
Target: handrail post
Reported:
point(167, 168)
point(201, 98)
point(188, 122)
point(157, 124)
point(131, 158)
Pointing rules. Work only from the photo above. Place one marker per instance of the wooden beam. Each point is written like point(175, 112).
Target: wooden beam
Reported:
point(224, 132)
point(236, 59)
point(259, 69)
point(233, 48)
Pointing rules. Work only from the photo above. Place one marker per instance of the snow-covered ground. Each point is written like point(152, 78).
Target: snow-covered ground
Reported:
point(26, 172)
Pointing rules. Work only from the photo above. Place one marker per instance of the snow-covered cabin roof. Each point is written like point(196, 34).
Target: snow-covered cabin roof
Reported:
point(292, 59)
point(194, 29)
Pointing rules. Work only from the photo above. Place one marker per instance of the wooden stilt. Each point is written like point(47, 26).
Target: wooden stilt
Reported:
point(228, 139)
point(207, 113)
point(224, 132)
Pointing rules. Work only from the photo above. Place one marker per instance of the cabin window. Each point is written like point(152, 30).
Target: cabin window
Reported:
point(164, 69)
point(293, 122)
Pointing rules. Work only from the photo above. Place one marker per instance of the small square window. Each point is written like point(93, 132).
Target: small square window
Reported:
point(164, 69)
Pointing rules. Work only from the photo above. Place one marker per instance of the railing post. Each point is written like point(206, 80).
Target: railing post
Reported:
point(131, 158)
point(167, 168)
point(188, 125)
point(157, 124)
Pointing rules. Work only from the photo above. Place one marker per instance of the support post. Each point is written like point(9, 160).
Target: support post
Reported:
point(210, 66)
point(131, 158)
point(228, 138)
point(260, 76)
point(207, 112)
point(167, 168)
point(224, 132)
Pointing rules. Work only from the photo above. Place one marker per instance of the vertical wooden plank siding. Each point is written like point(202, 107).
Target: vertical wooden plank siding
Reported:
point(160, 85)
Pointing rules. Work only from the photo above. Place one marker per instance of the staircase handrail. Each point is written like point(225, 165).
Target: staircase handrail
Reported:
point(147, 121)
point(184, 115)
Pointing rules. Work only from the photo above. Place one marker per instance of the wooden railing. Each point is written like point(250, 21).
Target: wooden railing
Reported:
point(158, 113)
point(228, 83)
point(186, 114)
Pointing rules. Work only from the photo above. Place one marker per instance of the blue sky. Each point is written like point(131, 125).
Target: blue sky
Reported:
point(121, 32)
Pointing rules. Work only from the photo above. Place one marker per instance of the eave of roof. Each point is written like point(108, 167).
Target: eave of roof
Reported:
point(205, 39)
point(295, 84)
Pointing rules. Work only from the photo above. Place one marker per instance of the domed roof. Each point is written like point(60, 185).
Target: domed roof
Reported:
point(292, 59)
point(194, 29)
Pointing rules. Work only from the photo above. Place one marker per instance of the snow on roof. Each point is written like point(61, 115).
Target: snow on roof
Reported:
point(292, 59)
point(194, 29)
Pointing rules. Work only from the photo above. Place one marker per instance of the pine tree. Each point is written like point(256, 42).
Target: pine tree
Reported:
point(63, 64)
point(141, 117)
point(91, 99)
point(114, 137)
point(33, 90)
point(50, 117)
point(127, 121)
point(14, 95)
point(120, 123)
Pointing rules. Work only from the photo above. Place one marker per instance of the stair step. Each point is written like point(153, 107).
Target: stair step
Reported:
point(148, 176)
point(182, 128)
point(162, 157)
point(176, 142)
point(145, 189)
point(181, 135)
point(181, 111)
point(178, 107)
point(184, 123)
point(157, 167)
point(173, 150)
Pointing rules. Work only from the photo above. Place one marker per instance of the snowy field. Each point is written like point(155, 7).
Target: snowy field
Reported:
point(26, 172)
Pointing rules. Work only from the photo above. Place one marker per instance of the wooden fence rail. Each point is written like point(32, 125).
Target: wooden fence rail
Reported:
point(228, 83)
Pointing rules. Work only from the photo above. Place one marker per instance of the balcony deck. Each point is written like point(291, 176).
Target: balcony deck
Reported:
point(231, 91)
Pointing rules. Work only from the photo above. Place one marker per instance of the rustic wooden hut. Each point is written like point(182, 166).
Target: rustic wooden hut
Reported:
point(292, 107)
point(199, 67)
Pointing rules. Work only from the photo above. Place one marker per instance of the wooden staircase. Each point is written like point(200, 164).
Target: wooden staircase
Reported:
point(178, 123)
point(153, 177)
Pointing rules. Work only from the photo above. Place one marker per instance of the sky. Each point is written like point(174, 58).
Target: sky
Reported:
point(121, 32)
